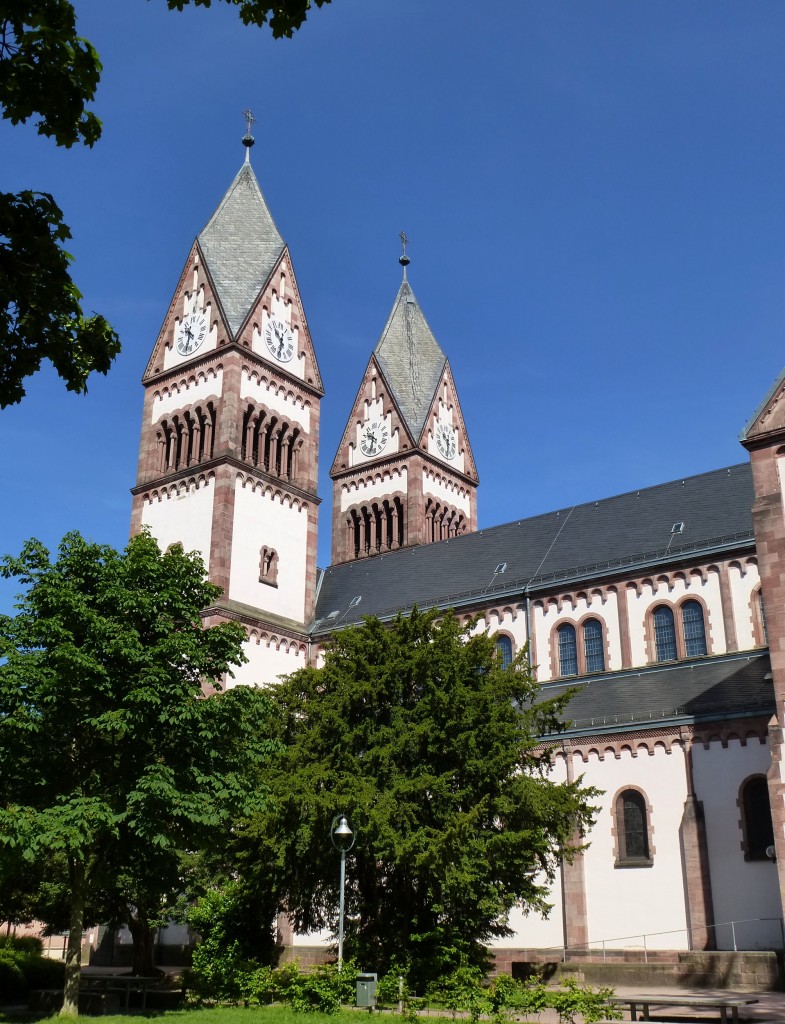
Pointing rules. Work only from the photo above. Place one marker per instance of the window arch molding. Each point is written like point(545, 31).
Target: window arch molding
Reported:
point(755, 822)
point(677, 608)
point(585, 664)
point(631, 828)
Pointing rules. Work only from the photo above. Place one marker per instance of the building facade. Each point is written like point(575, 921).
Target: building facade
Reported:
point(651, 602)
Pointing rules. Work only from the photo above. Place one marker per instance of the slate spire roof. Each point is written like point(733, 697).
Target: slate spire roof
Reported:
point(410, 359)
point(241, 246)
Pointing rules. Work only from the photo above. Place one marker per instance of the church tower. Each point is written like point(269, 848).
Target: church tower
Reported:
point(230, 429)
point(404, 473)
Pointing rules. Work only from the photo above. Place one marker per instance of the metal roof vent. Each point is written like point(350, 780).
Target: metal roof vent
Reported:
point(333, 615)
point(677, 528)
point(499, 568)
point(354, 602)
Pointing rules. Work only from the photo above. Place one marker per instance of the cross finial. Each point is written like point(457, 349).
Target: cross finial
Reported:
point(248, 139)
point(403, 259)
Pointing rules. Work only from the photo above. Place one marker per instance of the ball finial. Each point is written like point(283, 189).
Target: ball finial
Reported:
point(403, 259)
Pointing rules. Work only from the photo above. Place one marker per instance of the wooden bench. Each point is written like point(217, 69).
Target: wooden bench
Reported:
point(645, 1002)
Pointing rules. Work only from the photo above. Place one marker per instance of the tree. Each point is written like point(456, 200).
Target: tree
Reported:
point(433, 750)
point(47, 69)
point(110, 758)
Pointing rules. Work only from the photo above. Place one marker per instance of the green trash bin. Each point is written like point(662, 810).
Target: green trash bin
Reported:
point(366, 990)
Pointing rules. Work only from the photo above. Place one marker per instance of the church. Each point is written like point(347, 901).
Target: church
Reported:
point(665, 606)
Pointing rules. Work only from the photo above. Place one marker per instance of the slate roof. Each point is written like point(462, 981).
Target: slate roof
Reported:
point(710, 689)
point(241, 246)
point(619, 534)
point(410, 359)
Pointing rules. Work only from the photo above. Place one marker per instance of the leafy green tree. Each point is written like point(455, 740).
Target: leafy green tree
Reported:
point(431, 747)
point(111, 761)
point(48, 71)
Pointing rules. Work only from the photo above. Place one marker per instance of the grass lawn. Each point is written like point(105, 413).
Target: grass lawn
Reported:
point(214, 1015)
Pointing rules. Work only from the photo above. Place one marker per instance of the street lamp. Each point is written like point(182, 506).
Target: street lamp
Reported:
point(343, 840)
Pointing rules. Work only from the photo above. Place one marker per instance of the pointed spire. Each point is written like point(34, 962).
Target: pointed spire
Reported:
point(241, 244)
point(409, 355)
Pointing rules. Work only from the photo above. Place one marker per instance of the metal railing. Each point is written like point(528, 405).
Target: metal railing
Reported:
point(612, 945)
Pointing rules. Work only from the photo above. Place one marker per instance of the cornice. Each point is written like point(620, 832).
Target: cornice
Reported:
point(211, 465)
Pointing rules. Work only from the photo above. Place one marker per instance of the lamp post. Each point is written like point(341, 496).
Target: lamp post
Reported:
point(343, 840)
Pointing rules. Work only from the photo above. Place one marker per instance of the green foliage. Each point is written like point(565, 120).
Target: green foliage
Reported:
point(22, 968)
point(49, 72)
point(47, 69)
point(40, 312)
point(111, 762)
point(464, 992)
point(219, 971)
point(28, 945)
point(284, 16)
point(320, 990)
point(591, 1004)
point(432, 749)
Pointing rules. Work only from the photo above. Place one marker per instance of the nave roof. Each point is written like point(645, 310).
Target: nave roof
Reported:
point(632, 532)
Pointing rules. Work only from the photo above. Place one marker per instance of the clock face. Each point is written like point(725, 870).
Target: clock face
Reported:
point(445, 441)
point(373, 438)
point(279, 340)
point(191, 333)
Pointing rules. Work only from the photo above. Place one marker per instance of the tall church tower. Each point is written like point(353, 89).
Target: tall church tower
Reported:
point(404, 473)
point(230, 429)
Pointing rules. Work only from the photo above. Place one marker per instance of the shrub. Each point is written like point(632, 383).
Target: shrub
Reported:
point(12, 981)
point(28, 944)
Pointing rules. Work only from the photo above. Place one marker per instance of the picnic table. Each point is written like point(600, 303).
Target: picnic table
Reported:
point(122, 984)
point(708, 1002)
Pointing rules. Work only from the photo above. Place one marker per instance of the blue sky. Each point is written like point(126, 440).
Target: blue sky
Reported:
point(594, 195)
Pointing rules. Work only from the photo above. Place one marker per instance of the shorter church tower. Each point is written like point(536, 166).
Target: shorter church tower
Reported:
point(404, 473)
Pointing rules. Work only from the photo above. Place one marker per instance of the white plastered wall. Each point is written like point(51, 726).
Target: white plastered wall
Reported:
point(534, 930)
point(681, 585)
point(743, 578)
point(261, 519)
point(595, 604)
point(448, 491)
point(269, 658)
point(509, 619)
point(187, 393)
point(276, 399)
point(383, 484)
point(624, 903)
point(741, 890)
point(183, 514)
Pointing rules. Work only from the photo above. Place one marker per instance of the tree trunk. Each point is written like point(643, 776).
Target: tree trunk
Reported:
point(73, 953)
point(143, 939)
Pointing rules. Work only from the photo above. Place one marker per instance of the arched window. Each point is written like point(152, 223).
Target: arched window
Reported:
point(664, 633)
point(268, 566)
point(694, 629)
point(568, 650)
point(756, 822)
point(632, 830)
point(504, 647)
point(593, 646)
